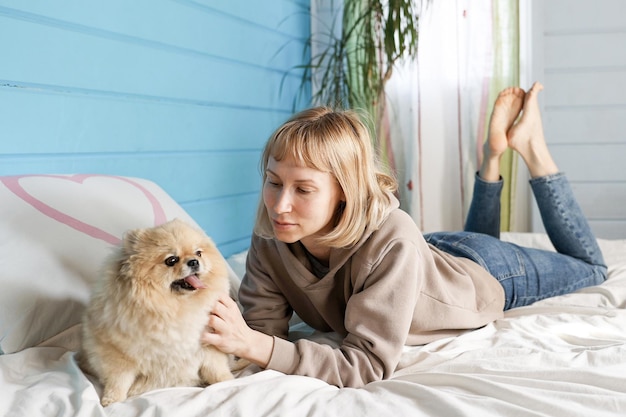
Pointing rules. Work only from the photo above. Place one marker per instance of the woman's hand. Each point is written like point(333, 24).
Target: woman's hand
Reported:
point(228, 331)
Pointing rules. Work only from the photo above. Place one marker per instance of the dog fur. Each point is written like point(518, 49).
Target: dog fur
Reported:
point(142, 327)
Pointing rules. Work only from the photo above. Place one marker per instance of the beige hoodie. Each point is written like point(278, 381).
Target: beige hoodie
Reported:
point(391, 289)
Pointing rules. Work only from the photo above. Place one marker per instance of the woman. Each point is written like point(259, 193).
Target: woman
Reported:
point(332, 245)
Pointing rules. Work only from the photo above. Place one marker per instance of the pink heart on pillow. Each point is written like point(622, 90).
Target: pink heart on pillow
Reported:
point(13, 184)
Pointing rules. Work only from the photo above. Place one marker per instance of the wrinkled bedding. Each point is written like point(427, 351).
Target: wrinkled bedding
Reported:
point(564, 356)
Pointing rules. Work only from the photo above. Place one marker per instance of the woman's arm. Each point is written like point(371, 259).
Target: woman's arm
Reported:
point(230, 334)
point(228, 331)
point(377, 319)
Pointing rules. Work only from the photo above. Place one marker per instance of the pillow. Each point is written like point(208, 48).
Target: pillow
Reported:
point(55, 231)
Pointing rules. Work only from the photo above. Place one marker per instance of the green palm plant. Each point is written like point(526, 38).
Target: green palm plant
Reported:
point(353, 66)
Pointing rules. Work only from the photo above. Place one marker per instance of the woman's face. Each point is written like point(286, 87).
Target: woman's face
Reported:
point(301, 201)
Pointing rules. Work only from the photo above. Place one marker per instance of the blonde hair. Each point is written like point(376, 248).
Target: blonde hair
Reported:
point(336, 142)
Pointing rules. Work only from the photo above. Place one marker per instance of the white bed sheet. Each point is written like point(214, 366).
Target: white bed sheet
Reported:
point(564, 356)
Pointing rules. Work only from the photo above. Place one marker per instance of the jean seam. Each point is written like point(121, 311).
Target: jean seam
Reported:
point(549, 181)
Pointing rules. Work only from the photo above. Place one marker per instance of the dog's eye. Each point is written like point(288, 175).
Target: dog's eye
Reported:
point(199, 253)
point(172, 260)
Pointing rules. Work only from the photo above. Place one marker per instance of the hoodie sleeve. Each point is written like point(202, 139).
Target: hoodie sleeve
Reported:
point(265, 307)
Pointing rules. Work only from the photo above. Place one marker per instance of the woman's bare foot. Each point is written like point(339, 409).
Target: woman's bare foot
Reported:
point(526, 137)
point(505, 111)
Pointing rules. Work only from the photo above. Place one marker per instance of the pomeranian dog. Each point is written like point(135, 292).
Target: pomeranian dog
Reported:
point(142, 327)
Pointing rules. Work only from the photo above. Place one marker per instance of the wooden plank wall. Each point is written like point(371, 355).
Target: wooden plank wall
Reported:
point(182, 92)
point(580, 55)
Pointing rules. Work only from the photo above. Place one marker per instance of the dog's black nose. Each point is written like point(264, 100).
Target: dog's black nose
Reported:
point(193, 263)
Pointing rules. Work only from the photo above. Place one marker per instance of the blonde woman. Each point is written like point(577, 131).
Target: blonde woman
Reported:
point(331, 244)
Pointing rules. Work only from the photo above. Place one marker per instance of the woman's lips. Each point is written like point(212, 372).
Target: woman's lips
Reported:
point(282, 225)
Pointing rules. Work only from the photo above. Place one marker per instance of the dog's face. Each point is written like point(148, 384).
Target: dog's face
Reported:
point(174, 257)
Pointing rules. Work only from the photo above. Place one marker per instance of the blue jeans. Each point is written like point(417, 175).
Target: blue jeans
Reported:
point(527, 274)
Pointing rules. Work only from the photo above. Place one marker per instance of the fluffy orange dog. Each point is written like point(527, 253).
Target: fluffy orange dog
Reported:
point(142, 328)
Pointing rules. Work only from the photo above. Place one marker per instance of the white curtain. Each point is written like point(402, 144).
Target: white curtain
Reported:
point(439, 108)
point(439, 104)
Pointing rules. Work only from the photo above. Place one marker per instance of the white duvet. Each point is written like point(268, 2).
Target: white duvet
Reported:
point(564, 356)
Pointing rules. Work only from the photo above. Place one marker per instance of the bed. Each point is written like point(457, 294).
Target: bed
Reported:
point(564, 356)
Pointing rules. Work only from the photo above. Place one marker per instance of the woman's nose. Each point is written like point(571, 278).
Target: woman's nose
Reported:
point(283, 202)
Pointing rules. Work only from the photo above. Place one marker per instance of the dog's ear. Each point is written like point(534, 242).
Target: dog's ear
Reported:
point(128, 250)
point(131, 239)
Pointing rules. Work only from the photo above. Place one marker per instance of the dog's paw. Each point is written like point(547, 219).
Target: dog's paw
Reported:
point(107, 400)
point(110, 396)
point(237, 364)
point(224, 376)
point(212, 374)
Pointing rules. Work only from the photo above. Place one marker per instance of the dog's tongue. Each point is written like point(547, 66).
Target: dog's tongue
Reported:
point(194, 282)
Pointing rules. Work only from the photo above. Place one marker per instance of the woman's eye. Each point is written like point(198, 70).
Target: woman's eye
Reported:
point(172, 260)
point(304, 191)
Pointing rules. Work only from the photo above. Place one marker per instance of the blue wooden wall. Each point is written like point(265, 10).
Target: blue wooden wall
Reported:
point(181, 92)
